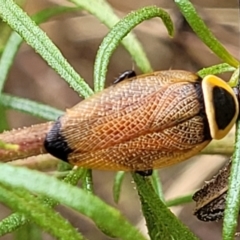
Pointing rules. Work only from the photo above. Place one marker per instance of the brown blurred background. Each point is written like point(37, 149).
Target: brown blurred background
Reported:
point(78, 35)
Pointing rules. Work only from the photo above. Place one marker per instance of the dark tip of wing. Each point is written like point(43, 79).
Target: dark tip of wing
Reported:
point(56, 144)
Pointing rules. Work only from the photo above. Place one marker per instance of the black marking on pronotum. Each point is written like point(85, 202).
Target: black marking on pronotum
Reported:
point(125, 75)
point(56, 144)
point(224, 105)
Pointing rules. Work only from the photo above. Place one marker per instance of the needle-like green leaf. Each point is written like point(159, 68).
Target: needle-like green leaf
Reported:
point(117, 33)
point(20, 22)
point(31, 107)
point(161, 223)
point(21, 200)
point(233, 196)
point(216, 69)
point(71, 196)
point(203, 32)
point(105, 13)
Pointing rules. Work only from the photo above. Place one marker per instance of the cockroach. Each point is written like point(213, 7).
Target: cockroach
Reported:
point(144, 122)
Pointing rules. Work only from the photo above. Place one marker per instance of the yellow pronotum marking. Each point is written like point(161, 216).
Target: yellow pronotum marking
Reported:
point(208, 83)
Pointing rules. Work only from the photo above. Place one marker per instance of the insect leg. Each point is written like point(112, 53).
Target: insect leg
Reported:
point(145, 173)
point(125, 75)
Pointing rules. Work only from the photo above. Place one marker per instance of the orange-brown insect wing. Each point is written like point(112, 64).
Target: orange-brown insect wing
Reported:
point(153, 150)
point(125, 111)
point(95, 132)
point(128, 159)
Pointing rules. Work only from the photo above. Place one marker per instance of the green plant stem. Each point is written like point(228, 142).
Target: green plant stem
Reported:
point(179, 200)
point(161, 223)
point(233, 196)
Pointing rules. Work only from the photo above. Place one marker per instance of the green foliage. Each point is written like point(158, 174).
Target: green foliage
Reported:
point(117, 185)
point(17, 185)
point(233, 199)
point(155, 211)
point(216, 69)
point(120, 30)
point(66, 194)
point(204, 33)
point(104, 13)
point(28, 106)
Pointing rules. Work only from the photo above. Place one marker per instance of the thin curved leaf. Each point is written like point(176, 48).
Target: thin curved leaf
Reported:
point(179, 200)
point(117, 33)
point(15, 40)
point(233, 196)
point(73, 197)
point(216, 69)
point(20, 22)
point(16, 220)
point(117, 185)
point(22, 201)
point(203, 32)
point(156, 183)
point(31, 107)
point(104, 12)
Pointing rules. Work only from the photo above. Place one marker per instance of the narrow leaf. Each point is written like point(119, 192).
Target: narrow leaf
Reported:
point(234, 80)
point(64, 193)
point(8, 146)
point(20, 22)
point(3, 118)
point(119, 31)
point(156, 183)
point(179, 200)
point(31, 107)
point(15, 40)
point(117, 185)
point(216, 69)
point(16, 220)
point(161, 223)
point(233, 196)
point(28, 232)
point(203, 32)
point(105, 13)
point(50, 221)
point(87, 184)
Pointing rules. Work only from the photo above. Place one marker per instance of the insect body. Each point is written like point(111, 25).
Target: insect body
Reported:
point(211, 198)
point(145, 122)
